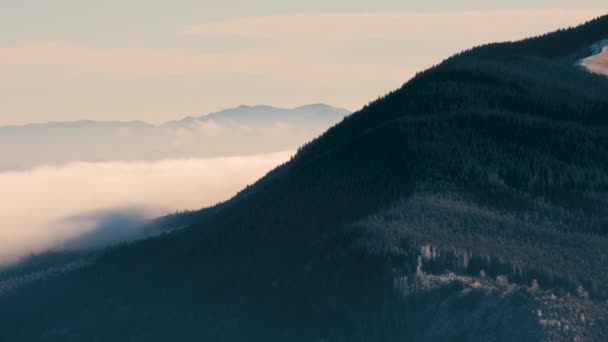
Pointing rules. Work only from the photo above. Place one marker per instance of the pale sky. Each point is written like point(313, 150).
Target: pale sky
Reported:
point(162, 60)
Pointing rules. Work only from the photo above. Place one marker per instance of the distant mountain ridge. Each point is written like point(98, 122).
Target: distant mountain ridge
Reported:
point(242, 130)
point(263, 114)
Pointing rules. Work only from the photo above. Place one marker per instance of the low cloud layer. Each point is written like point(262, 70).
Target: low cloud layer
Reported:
point(68, 206)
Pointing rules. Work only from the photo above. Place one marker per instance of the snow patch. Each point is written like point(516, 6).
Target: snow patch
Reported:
point(597, 63)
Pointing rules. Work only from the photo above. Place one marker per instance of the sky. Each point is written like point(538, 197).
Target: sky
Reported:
point(156, 61)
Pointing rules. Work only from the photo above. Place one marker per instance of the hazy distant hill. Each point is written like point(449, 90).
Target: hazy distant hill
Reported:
point(471, 204)
point(238, 131)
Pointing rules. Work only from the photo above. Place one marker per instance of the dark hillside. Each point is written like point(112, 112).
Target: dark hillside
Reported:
point(470, 204)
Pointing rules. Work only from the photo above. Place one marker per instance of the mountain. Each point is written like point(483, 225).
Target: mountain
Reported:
point(263, 115)
point(471, 204)
point(239, 131)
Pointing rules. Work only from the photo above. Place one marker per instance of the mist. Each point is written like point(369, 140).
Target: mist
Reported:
point(88, 205)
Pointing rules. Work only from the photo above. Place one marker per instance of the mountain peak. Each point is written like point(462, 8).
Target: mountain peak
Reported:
point(251, 113)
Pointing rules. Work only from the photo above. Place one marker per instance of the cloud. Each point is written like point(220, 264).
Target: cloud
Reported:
point(313, 49)
point(51, 206)
point(109, 226)
point(395, 25)
point(73, 60)
point(125, 60)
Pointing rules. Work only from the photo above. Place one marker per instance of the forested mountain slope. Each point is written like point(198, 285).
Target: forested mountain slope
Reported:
point(470, 204)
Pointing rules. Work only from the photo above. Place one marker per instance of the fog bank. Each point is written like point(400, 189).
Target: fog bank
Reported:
point(53, 206)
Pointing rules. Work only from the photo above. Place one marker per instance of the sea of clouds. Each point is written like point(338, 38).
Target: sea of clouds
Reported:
point(46, 207)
